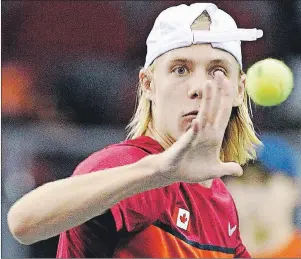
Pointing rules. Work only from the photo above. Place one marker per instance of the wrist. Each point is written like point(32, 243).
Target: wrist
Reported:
point(156, 173)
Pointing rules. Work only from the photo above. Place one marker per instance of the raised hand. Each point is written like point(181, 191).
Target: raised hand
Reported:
point(195, 157)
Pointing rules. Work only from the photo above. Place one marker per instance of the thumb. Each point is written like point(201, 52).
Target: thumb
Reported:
point(232, 168)
point(184, 142)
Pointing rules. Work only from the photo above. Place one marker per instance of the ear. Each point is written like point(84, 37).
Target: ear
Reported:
point(239, 98)
point(146, 84)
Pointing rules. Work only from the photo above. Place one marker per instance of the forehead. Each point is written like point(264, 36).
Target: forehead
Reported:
point(198, 54)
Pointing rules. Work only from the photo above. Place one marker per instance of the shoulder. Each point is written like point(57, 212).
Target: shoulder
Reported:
point(221, 187)
point(119, 154)
point(222, 193)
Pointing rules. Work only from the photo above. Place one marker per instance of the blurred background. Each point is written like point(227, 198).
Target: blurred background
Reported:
point(69, 76)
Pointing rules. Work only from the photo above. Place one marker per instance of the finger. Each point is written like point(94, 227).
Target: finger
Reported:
point(232, 168)
point(203, 114)
point(195, 126)
point(185, 141)
point(217, 87)
point(225, 107)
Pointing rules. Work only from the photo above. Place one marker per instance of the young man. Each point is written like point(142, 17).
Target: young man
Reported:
point(158, 194)
point(267, 196)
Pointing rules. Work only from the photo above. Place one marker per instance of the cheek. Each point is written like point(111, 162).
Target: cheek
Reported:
point(170, 95)
point(165, 104)
point(170, 101)
point(235, 84)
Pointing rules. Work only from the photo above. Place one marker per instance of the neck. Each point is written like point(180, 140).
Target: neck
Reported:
point(166, 141)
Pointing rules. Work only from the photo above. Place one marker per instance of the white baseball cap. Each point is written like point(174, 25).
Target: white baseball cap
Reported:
point(172, 30)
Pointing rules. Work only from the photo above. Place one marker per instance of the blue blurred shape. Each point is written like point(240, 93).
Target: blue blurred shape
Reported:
point(277, 155)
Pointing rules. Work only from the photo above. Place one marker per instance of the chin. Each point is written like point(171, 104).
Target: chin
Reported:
point(181, 132)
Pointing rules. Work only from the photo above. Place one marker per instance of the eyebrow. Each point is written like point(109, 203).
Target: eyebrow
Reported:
point(223, 62)
point(181, 60)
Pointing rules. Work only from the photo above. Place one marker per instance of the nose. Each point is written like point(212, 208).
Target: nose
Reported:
point(197, 84)
point(195, 93)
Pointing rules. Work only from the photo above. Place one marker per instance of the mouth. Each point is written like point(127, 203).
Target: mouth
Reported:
point(192, 113)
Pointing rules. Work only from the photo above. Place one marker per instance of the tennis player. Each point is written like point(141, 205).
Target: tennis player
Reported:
point(159, 193)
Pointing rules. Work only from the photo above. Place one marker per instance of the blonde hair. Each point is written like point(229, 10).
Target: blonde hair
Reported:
point(240, 140)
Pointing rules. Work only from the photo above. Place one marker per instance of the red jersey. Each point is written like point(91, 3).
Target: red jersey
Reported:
point(179, 220)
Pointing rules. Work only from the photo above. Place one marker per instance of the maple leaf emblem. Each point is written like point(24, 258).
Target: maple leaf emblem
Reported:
point(183, 218)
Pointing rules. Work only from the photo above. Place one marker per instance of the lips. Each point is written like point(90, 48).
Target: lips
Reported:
point(192, 113)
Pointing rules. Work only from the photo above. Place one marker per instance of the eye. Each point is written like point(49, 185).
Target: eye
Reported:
point(180, 70)
point(214, 69)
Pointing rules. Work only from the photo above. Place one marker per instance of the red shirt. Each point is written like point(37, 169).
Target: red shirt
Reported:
point(180, 220)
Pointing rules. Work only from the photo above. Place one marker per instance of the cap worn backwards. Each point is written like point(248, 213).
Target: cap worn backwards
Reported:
point(172, 30)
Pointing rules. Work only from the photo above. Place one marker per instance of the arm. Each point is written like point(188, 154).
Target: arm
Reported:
point(63, 204)
point(194, 157)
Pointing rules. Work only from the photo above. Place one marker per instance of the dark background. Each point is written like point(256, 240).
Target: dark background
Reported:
point(69, 76)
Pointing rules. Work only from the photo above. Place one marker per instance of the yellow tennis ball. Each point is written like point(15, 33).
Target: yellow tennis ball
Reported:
point(269, 82)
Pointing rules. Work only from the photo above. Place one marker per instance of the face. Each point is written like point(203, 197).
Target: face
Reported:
point(178, 75)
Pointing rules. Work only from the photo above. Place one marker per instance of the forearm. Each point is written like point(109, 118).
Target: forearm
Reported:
point(60, 205)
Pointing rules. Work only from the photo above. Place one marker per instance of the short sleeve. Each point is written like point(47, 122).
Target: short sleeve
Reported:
point(139, 211)
point(99, 236)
